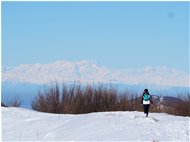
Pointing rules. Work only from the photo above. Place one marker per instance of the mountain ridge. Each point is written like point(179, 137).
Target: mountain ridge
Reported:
point(90, 72)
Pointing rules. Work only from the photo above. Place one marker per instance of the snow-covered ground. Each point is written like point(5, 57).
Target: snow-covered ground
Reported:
point(20, 124)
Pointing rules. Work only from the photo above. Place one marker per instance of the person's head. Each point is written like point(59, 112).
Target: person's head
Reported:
point(146, 90)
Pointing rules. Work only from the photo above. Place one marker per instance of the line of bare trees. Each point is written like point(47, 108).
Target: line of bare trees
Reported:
point(78, 99)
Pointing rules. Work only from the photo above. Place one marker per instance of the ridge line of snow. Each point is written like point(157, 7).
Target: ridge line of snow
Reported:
point(88, 71)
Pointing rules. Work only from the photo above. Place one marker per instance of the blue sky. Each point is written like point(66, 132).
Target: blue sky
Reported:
point(113, 34)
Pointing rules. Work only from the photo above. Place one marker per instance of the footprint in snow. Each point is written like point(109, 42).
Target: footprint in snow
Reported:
point(150, 118)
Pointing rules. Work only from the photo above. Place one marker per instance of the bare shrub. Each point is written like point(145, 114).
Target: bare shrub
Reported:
point(48, 100)
point(16, 102)
point(179, 105)
point(78, 99)
point(123, 102)
point(3, 104)
point(40, 104)
point(182, 107)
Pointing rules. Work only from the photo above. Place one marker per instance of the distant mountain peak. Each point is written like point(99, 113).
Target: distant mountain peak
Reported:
point(89, 72)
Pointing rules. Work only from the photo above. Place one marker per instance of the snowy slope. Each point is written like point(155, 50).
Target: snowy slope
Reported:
point(26, 125)
point(89, 71)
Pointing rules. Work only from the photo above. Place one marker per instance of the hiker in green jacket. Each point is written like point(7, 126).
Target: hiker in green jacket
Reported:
point(146, 101)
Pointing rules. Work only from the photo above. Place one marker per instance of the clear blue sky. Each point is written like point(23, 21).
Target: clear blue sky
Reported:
point(113, 34)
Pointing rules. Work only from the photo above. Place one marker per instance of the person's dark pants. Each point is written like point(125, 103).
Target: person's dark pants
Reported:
point(146, 109)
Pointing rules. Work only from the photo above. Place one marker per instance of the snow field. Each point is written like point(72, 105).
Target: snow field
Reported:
point(20, 124)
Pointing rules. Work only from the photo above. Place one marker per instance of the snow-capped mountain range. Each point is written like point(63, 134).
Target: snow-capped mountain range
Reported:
point(90, 72)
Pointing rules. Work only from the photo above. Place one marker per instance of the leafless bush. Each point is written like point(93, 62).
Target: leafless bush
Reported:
point(179, 105)
point(134, 102)
point(123, 102)
point(48, 100)
point(40, 104)
point(3, 104)
point(182, 107)
point(78, 99)
point(15, 102)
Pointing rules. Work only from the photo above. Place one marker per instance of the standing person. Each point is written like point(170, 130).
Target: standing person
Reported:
point(146, 101)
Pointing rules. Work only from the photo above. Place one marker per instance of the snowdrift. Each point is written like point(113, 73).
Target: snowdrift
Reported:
point(20, 124)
